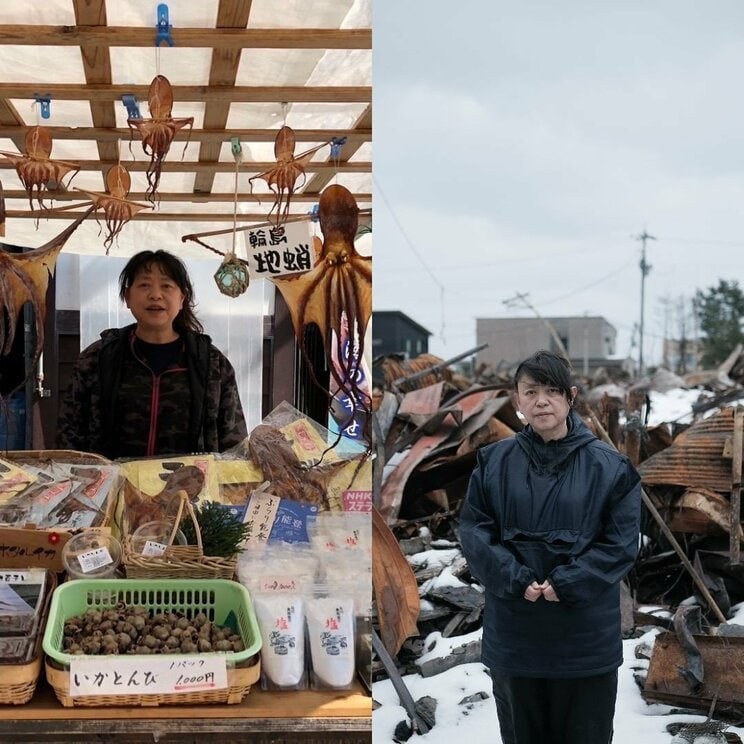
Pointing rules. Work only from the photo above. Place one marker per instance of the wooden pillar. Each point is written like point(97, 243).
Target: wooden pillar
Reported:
point(734, 524)
point(634, 425)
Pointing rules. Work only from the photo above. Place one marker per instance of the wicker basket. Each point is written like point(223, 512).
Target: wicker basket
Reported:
point(34, 547)
point(239, 681)
point(19, 680)
point(178, 561)
point(62, 455)
point(216, 598)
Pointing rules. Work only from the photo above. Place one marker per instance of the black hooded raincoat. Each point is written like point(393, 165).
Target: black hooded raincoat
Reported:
point(568, 511)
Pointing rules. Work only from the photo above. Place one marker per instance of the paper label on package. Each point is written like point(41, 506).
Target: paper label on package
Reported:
point(307, 443)
point(357, 501)
point(153, 548)
point(32, 576)
point(164, 675)
point(93, 559)
point(280, 584)
point(260, 515)
point(290, 522)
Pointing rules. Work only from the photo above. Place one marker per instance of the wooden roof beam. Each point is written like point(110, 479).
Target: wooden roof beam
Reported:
point(10, 117)
point(176, 166)
point(17, 131)
point(320, 180)
point(97, 68)
point(200, 93)
point(146, 216)
point(223, 71)
point(187, 197)
point(214, 38)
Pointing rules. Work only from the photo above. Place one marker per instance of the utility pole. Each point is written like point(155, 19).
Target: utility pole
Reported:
point(645, 268)
point(523, 298)
point(682, 365)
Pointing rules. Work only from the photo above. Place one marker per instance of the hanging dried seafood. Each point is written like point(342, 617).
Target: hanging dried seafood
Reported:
point(159, 131)
point(116, 208)
point(337, 290)
point(282, 178)
point(35, 168)
point(24, 277)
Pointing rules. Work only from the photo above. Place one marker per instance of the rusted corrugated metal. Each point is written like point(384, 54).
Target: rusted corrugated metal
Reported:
point(394, 370)
point(392, 490)
point(722, 659)
point(696, 458)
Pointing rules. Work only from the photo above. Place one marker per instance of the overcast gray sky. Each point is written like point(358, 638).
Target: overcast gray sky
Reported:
point(520, 147)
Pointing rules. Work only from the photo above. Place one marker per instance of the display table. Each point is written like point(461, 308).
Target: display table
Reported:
point(307, 716)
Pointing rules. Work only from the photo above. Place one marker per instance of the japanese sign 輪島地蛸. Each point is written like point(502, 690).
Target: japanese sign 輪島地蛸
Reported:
point(276, 251)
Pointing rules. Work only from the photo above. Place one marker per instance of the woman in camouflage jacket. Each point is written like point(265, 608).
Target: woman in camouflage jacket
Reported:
point(158, 387)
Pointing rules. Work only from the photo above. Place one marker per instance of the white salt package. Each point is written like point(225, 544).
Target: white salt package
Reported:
point(281, 620)
point(331, 623)
point(341, 539)
point(287, 568)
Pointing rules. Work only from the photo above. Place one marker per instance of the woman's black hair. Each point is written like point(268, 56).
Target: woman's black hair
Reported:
point(547, 368)
point(175, 269)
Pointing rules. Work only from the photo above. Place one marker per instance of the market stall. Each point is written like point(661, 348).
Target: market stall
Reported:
point(170, 595)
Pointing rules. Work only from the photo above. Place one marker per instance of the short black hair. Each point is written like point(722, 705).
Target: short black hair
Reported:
point(172, 267)
point(547, 368)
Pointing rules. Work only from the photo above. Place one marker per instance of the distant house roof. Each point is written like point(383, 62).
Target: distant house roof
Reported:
point(400, 316)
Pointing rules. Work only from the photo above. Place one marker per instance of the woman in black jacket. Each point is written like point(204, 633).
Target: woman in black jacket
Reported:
point(550, 527)
point(158, 387)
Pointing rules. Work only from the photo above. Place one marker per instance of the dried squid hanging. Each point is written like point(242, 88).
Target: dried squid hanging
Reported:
point(117, 209)
point(35, 168)
point(159, 131)
point(282, 178)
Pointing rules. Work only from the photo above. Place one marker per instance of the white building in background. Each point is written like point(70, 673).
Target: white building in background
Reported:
point(589, 340)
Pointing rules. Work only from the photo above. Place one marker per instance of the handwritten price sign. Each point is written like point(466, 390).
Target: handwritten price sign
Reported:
point(118, 675)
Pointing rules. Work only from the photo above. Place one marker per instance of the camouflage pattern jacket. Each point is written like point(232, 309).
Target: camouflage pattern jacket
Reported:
point(117, 407)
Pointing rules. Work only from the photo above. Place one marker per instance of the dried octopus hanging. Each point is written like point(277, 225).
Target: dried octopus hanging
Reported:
point(336, 292)
point(282, 178)
point(159, 131)
point(24, 277)
point(117, 209)
point(35, 168)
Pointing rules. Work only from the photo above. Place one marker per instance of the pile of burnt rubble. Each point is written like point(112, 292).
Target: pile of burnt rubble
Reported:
point(430, 421)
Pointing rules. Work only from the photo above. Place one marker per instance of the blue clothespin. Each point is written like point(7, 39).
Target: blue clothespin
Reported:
point(163, 29)
point(45, 103)
point(314, 214)
point(336, 144)
point(132, 107)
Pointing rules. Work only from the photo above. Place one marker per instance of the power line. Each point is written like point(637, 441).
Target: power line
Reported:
point(589, 286)
point(415, 252)
point(697, 241)
point(490, 264)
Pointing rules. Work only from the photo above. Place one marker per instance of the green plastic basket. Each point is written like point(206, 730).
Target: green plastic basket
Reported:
point(216, 598)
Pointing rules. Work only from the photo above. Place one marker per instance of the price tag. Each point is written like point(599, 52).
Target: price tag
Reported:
point(94, 559)
point(280, 584)
point(32, 576)
point(159, 675)
point(153, 548)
